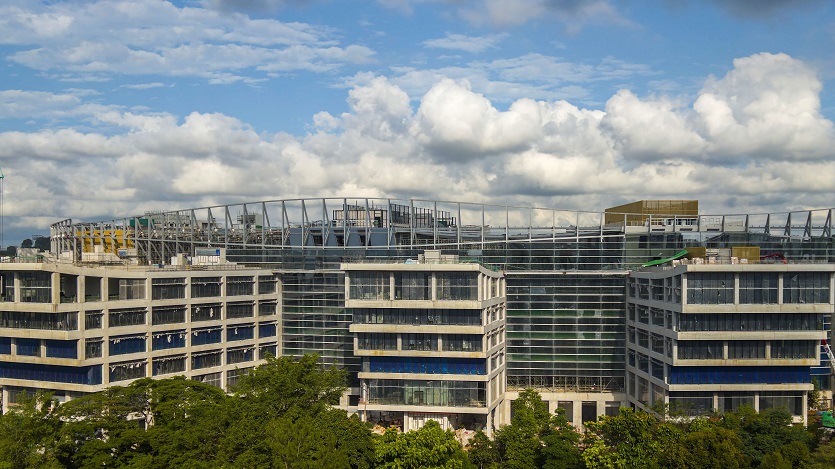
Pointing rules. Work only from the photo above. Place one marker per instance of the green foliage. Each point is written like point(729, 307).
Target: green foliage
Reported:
point(483, 452)
point(560, 445)
point(427, 448)
point(27, 435)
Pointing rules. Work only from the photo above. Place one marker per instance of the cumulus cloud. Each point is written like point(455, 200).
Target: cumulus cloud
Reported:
point(91, 41)
point(751, 138)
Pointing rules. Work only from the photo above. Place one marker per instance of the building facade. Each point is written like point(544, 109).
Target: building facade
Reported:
point(566, 276)
point(716, 336)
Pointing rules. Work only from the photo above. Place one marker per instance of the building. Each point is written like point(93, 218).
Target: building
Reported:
point(715, 336)
point(566, 276)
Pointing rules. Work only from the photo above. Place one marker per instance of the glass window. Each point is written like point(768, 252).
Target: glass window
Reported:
point(700, 350)
point(126, 288)
point(168, 365)
point(420, 342)
point(369, 286)
point(462, 342)
point(206, 312)
point(266, 284)
point(92, 320)
point(127, 370)
point(240, 310)
point(169, 339)
point(412, 286)
point(40, 321)
point(710, 288)
point(168, 288)
point(239, 286)
point(35, 287)
point(28, 347)
point(757, 288)
point(377, 341)
point(202, 287)
point(456, 285)
point(126, 317)
point(168, 315)
point(120, 345)
point(206, 359)
point(93, 347)
point(806, 287)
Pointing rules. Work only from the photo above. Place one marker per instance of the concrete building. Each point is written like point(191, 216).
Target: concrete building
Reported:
point(716, 336)
point(431, 334)
point(565, 275)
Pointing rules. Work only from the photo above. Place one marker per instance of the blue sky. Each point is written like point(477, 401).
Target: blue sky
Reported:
point(118, 107)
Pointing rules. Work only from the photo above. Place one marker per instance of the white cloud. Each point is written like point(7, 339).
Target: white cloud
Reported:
point(471, 44)
point(91, 41)
point(455, 144)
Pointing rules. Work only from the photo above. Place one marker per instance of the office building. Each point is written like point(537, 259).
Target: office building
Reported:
point(571, 281)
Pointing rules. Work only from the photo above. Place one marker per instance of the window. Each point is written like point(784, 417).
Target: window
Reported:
point(240, 355)
point(266, 284)
point(40, 321)
point(168, 288)
point(206, 359)
point(267, 329)
point(794, 349)
point(5, 345)
point(757, 288)
point(126, 288)
point(267, 308)
point(168, 340)
point(35, 287)
point(124, 344)
point(239, 310)
point(206, 336)
point(61, 348)
point(233, 376)
point(462, 342)
point(418, 316)
point(93, 347)
point(92, 320)
point(207, 312)
point(127, 370)
point(369, 286)
point(212, 379)
point(806, 287)
point(701, 350)
point(266, 350)
point(126, 317)
point(28, 347)
point(456, 285)
point(420, 342)
point(7, 287)
point(746, 349)
point(367, 341)
point(412, 286)
point(168, 365)
point(168, 315)
point(239, 286)
point(203, 287)
point(710, 288)
point(234, 333)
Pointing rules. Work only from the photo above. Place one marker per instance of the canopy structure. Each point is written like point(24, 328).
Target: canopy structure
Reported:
point(678, 255)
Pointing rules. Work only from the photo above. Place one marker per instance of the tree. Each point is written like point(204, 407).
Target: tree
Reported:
point(426, 448)
point(43, 243)
point(483, 452)
point(281, 388)
point(519, 443)
point(26, 244)
point(28, 433)
point(627, 440)
point(560, 445)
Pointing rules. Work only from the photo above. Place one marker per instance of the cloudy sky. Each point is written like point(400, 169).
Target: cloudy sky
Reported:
point(115, 107)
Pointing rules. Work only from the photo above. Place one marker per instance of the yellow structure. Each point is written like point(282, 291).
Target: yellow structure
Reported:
point(111, 240)
point(637, 213)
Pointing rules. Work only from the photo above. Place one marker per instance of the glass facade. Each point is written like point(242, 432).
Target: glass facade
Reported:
point(426, 393)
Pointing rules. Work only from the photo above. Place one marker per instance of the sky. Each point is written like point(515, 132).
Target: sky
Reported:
point(117, 107)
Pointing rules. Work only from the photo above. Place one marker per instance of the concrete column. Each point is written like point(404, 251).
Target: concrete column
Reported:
point(81, 288)
point(55, 282)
